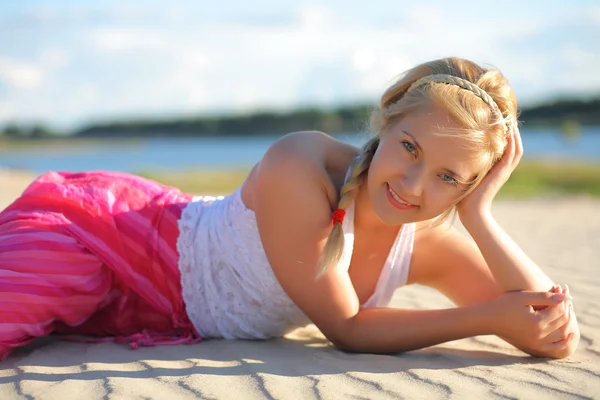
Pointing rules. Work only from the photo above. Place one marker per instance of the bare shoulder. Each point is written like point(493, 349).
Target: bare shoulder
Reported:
point(292, 196)
point(309, 158)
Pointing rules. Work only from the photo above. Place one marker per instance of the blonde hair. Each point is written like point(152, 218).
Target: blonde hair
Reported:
point(479, 99)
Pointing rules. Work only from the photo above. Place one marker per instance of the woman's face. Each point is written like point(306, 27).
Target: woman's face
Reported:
point(415, 174)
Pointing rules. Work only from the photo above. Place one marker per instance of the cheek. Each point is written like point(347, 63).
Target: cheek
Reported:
point(440, 197)
point(384, 163)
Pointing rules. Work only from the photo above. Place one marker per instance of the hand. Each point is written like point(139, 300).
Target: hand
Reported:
point(479, 201)
point(537, 332)
point(550, 330)
point(567, 336)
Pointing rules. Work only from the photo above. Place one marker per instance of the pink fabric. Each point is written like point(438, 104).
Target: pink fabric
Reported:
point(94, 254)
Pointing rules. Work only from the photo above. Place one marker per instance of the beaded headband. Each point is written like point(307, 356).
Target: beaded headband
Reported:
point(460, 82)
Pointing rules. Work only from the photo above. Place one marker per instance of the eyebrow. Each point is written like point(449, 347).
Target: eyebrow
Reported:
point(449, 171)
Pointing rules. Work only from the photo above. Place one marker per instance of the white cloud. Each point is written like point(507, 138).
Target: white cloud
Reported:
point(126, 39)
point(577, 56)
point(20, 75)
point(7, 110)
point(315, 17)
point(53, 58)
point(595, 14)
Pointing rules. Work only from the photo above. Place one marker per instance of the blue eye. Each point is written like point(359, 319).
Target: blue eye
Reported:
point(448, 179)
point(409, 146)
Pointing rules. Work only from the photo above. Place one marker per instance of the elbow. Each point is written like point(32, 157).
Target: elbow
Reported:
point(344, 346)
point(346, 339)
point(349, 347)
point(344, 342)
point(364, 348)
point(351, 341)
point(361, 335)
point(342, 334)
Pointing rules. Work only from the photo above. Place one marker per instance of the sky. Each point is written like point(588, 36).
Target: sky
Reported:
point(72, 63)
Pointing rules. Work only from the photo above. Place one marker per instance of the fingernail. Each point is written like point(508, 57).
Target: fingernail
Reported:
point(561, 297)
point(558, 297)
point(568, 290)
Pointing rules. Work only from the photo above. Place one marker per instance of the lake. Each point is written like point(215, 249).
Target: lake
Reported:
point(187, 153)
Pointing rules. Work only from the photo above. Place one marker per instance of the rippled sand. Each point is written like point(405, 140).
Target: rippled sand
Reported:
point(562, 235)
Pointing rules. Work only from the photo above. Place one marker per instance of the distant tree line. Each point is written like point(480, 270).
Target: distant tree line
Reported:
point(347, 119)
point(583, 112)
point(344, 119)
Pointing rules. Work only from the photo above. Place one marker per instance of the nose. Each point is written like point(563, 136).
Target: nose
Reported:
point(413, 182)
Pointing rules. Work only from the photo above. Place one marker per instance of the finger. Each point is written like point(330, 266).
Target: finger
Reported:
point(541, 298)
point(509, 151)
point(555, 289)
point(553, 348)
point(558, 334)
point(570, 336)
point(571, 307)
point(505, 159)
point(567, 304)
point(562, 322)
point(518, 142)
point(553, 315)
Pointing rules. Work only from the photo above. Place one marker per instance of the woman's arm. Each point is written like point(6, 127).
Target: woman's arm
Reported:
point(391, 330)
point(447, 261)
point(381, 330)
point(294, 219)
point(512, 269)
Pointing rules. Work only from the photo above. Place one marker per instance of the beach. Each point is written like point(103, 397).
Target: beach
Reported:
point(562, 234)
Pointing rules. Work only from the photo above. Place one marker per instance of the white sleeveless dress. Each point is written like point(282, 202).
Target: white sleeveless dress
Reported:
point(229, 288)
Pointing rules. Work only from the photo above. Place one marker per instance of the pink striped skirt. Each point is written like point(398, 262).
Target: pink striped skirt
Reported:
point(92, 254)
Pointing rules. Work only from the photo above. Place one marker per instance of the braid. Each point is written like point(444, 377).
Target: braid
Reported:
point(463, 83)
point(460, 82)
point(332, 252)
point(349, 190)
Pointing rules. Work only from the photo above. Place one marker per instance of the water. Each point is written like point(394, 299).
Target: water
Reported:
point(182, 153)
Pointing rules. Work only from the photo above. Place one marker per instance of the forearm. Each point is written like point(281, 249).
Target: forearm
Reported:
point(512, 269)
point(388, 330)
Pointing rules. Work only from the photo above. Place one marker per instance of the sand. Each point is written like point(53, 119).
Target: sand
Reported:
point(561, 234)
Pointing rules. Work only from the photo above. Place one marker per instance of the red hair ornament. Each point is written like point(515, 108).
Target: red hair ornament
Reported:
point(338, 216)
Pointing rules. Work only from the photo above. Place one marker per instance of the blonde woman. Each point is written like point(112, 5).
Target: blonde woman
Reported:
point(320, 231)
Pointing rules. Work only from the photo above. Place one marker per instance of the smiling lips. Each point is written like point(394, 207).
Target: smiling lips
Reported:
point(398, 201)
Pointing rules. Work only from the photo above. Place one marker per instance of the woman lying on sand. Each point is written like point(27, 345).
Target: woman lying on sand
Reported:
point(319, 232)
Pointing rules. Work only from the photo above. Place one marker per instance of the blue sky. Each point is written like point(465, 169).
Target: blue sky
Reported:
point(69, 63)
